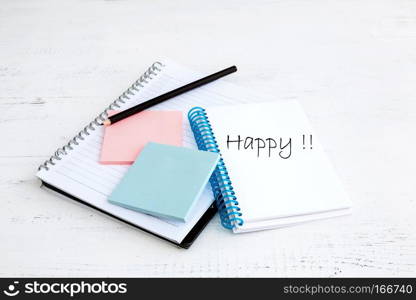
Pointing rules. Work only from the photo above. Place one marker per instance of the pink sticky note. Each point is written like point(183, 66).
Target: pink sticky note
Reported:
point(124, 140)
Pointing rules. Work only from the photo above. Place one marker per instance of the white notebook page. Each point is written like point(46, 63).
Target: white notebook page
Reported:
point(80, 174)
point(288, 184)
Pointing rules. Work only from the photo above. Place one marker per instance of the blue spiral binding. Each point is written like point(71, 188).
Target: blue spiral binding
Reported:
point(225, 198)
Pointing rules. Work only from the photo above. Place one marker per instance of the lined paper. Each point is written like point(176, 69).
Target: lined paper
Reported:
point(80, 174)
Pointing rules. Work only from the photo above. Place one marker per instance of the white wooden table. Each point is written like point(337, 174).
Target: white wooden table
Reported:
point(352, 64)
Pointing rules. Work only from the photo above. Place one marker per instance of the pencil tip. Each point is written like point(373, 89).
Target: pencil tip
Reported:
point(107, 122)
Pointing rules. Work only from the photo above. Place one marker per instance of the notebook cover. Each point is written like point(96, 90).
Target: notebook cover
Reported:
point(186, 242)
point(165, 181)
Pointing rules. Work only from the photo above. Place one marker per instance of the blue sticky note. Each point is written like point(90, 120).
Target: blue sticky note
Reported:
point(165, 181)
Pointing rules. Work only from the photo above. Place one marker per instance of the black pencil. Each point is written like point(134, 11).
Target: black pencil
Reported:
point(190, 86)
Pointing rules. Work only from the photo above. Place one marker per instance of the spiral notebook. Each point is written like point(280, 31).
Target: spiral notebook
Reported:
point(273, 171)
point(74, 169)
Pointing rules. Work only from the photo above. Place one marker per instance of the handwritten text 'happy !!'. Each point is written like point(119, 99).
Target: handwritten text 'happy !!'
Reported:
point(269, 147)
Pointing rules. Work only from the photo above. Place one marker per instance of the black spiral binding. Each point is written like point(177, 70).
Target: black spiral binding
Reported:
point(225, 198)
point(152, 71)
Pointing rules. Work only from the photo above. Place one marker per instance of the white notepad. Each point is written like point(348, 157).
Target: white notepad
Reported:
point(75, 169)
point(277, 166)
